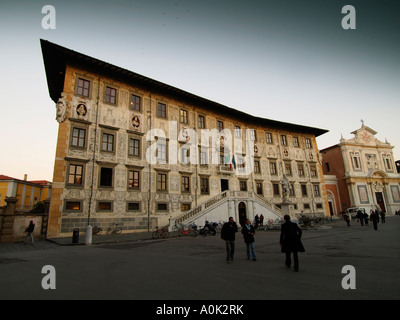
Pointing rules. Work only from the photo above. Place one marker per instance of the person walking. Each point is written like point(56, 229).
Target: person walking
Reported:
point(248, 232)
point(360, 217)
point(383, 215)
point(346, 218)
point(378, 213)
point(228, 235)
point(29, 230)
point(374, 218)
point(261, 219)
point(290, 242)
point(366, 218)
point(257, 221)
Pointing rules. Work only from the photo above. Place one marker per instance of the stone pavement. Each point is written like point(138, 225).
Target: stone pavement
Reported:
point(182, 268)
point(128, 237)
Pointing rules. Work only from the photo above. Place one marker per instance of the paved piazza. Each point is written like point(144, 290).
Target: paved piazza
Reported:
point(195, 268)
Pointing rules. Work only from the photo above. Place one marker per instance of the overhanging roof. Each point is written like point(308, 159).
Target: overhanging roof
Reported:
point(56, 58)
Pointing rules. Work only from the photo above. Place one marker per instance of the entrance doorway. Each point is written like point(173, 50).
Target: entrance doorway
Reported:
point(331, 208)
point(242, 213)
point(224, 185)
point(380, 201)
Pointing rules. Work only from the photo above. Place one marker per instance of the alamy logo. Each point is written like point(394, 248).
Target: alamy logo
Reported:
point(49, 20)
point(349, 20)
point(349, 280)
point(49, 280)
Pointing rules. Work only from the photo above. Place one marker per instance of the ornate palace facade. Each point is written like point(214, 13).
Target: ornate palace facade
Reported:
point(365, 171)
point(141, 153)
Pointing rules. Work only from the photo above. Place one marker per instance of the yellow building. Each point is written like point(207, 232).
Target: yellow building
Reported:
point(28, 193)
point(140, 153)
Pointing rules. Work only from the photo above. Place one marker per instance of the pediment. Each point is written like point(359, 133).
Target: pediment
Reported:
point(366, 136)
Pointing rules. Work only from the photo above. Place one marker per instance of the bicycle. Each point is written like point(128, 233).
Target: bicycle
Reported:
point(160, 232)
point(115, 230)
point(96, 230)
point(191, 230)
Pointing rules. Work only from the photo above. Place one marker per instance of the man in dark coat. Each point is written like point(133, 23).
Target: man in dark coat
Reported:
point(290, 242)
point(374, 218)
point(228, 234)
point(248, 232)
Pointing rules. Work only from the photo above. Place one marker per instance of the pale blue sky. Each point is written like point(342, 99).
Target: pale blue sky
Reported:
point(284, 60)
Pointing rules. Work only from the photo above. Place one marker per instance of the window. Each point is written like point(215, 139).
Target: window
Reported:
point(83, 87)
point(106, 177)
point(313, 171)
point(161, 181)
point(355, 160)
point(283, 140)
point(75, 174)
point(296, 142)
point(308, 143)
point(161, 151)
point(73, 206)
point(259, 188)
point(133, 206)
point(162, 206)
point(111, 95)
point(135, 102)
point(276, 191)
point(161, 110)
point(183, 116)
point(269, 137)
point(220, 126)
point(238, 132)
point(272, 166)
point(107, 142)
point(78, 137)
point(185, 155)
point(257, 166)
point(387, 159)
point(185, 184)
point(104, 206)
point(328, 169)
point(185, 206)
point(134, 179)
point(202, 122)
point(243, 185)
point(291, 191)
point(304, 190)
point(288, 169)
point(306, 206)
point(134, 147)
point(204, 186)
point(316, 190)
point(253, 135)
point(203, 158)
point(300, 169)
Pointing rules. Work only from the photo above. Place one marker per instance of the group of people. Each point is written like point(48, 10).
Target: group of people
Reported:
point(290, 240)
point(363, 218)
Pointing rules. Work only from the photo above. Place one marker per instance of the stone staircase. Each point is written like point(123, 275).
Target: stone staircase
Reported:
point(224, 205)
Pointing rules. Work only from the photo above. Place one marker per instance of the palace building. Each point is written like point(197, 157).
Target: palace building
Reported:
point(139, 153)
point(365, 173)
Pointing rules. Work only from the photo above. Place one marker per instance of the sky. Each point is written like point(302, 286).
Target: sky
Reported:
point(290, 61)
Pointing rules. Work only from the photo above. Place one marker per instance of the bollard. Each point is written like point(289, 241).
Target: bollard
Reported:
point(88, 239)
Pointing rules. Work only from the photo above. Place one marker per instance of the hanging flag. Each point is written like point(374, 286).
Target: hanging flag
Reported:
point(234, 162)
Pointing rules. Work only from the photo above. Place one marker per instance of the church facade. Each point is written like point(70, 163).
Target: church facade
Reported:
point(139, 153)
point(365, 172)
